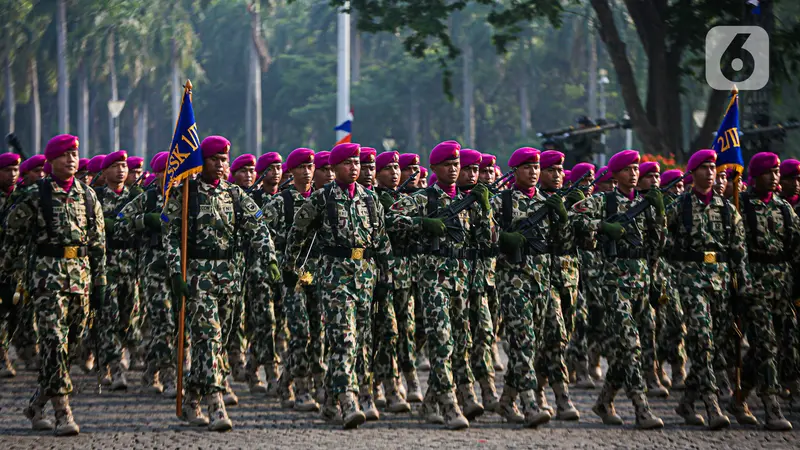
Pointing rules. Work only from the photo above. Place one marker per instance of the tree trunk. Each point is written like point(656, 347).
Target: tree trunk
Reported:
point(113, 127)
point(524, 110)
point(176, 82)
point(255, 73)
point(258, 50)
point(83, 108)
point(63, 78)
point(140, 128)
point(11, 102)
point(36, 108)
point(593, 72)
point(355, 70)
point(413, 119)
point(469, 98)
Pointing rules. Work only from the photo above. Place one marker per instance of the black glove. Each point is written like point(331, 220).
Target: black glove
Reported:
point(656, 199)
point(290, 279)
point(97, 297)
point(556, 203)
point(152, 221)
point(381, 290)
point(510, 242)
point(386, 200)
point(482, 192)
point(179, 288)
point(613, 230)
point(435, 227)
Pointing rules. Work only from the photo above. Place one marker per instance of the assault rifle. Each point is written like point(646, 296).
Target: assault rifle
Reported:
point(573, 132)
point(13, 142)
point(405, 183)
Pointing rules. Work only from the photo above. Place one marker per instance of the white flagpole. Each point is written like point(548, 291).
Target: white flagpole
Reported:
point(343, 71)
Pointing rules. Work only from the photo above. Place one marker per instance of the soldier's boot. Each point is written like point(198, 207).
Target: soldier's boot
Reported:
point(31, 359)
point(352, 416)
point(541, 400)
point(254, 383)
point(774, 417)
point(286, 391)
point(645, 419)
point(118, 380)
point(582, 378)
point(739, 409)
point(565, 410)
point(686, 409)
point(604, 407)
point(654, 386)
point(595, 371)
point(65, 423)
point(238, 369)
point(330, 408)
point(414, 392)
point(379, 395)
point(6, 369)
point(395, 403)
point(534, 416)
point(87, 362)
point(467, 398)
point(453, 418)
point(191, 412)
point(273, 380)
point(507, 406)
point(489, 396)
point(724, 385)
point(35, 412)
point(319, 386)
point(105, 380)
point(662, 375)
point(230, 397)
point(170, 385)
point(423, 363)
point(430, 411)
point(152, 381)
point(498, 361)
point(716, 419)
point(679, 377)
point(218, 416)
point(125, 360)
point(367, 403)
point(304, 401)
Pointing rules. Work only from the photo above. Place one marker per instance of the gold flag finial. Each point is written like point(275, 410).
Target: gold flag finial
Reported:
point(734, 91)
point(188, 85)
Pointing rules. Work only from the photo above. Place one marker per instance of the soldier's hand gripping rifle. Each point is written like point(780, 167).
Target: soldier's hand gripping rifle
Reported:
point(449, 215)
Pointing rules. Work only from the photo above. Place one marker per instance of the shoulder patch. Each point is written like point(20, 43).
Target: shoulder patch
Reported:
point(259, 213)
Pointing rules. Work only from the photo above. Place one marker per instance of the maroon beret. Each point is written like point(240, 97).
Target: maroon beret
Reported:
point(579, 172)
point(96, 163)
point(423, 172)
point(408, 159)
point(111, 158)
point(344, 151)
point(9, 159)
point(551, 158)
point(149, 180)
point(158, 163)
point(386, 158)
point(649, 166)
point(243, 160)
point(432, 180)
point(790, 168)
point(268, 159)
point(470, 157)
point(59, 145)
point(606, 174)
point(322, 159)
point(32, 163)
point(368, 155)
point(762, 162)
point(214, 145)
point(622, 160)
point(488, 160)
point(670, 175)
point(524, 155)
point(135, 162)
point(699, 157)
point(300, 156)
point(83, 163)
point(445, 151)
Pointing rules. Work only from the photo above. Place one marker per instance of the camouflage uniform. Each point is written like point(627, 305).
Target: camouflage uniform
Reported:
point(346, 275)
point(160, 356)
point(670, 318)
point(218, 229)
point(120, 314)
point(61, 284)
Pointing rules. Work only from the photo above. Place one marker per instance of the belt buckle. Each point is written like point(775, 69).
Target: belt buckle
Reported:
point(710, 257)
point(71, 252)
point(357, 253)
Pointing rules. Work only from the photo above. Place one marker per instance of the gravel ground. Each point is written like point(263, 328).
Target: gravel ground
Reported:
point(134, 419)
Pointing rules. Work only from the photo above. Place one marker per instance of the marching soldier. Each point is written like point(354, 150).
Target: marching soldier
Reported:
point(487, 176)
point(9, 312)
point(83, 170)
point(270, 166)
point(305, 367)
point(141, 218)
point(790, 183)
point(624, 282)
point(323, 172)
point(706, 242)
point(444, 272)
point(366, 177)
point(422, 183)
point(95, 169)
point(772, 234)
point(523, 275)
point(63, 219)
point(606, 182)
point(347, 222)
point(222, 219)
point(135, 170)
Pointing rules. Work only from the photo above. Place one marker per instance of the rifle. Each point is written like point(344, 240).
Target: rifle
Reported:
point(256, 183)
point(777, 131)
point(286, 183)
point(576, 184)
point(495, 187)
point(94, 180)
point(449, 215)
point(13, 141)
point(138, 180)
point(405, 183)
point(571, 133)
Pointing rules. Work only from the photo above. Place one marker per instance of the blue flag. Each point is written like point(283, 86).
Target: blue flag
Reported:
point(726, 143)
point(185, 157)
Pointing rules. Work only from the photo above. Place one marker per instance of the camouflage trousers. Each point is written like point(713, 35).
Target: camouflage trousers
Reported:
point(724, 336)
point(348, 332)
point(569, 307)
point(522, 303)
point(494, 309)
point(446, 323)
point(209, 317)
point(303, 312)
point(785, 323)
point(235, 341)
point(405, 314)
point(759, 364)
point(260, 323)
point(18, 325)
point(578, 347)
point(62, 319)
point(646, 321)
point(621, 344)
point(552, 333)
point(700, 324)
point(162, 317)
point(119, 317)
point(482, 328)
point(281, 326)
point(595, 316)
point(385, 336)
point(670, 341)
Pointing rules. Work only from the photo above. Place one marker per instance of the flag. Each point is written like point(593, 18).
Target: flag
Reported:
point(185, 157)
point(726, 143)
point(756, 4)
point(347, 127)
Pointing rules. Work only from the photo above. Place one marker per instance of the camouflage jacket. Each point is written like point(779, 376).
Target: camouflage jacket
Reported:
point(275, 214)
point(122, 250)
point(355, 228)
point(708, 233)
point(621, 271)
point(26, 224)
point(773, 244)
point(130, 224)
point(400, 262)
point(216, 228)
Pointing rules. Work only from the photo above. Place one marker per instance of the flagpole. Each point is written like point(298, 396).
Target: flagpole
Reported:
point(342, 69)
point(182, 315)
point(737, 179)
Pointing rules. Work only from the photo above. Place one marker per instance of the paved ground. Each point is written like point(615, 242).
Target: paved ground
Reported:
point(132, 420)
